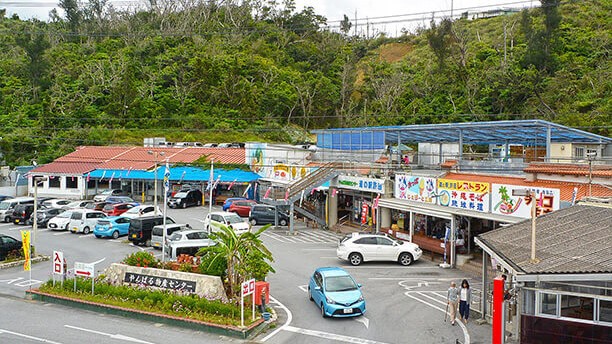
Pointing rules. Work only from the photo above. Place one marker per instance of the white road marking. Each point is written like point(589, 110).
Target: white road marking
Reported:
point(463, 328)
point(285, 325)
point(5, 224)
point(304, 287)
point(433, 298)
point(112, 336)
point(318, 249)
point(42, 340)
point(362, 319)
point(410, 278)
point(332, 336)
point(62, 233)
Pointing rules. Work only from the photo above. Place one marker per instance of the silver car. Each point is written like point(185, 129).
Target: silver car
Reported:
point(188, 241)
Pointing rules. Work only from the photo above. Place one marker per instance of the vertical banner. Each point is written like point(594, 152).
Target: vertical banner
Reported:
point(25, 239)
point(364, 213)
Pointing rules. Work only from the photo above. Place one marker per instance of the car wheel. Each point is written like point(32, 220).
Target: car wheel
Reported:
point(405, 259)
point(282, 222)
point(66, 227)
point(323, 311)
point(115, 234)
point(355, 259)
point(184, 205)
point(310, 295)
point(86, 230)
point(253, 222)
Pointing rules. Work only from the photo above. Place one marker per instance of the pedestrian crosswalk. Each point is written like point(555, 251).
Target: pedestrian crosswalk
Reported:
point(310, 236)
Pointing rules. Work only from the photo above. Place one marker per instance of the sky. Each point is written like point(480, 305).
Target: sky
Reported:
point(388, 16)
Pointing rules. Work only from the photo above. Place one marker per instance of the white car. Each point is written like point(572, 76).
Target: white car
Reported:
point(77, 204)
point(188, 241)
point(60, 222)
point(214, 220)
point(84, 220)
point(141, 210)
point(362, 247)
point(56, 203)
point(101, 197)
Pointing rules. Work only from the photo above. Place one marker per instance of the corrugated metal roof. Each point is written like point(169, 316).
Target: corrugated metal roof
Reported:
point(577, 239)
point(182, 174)
point(571, 169)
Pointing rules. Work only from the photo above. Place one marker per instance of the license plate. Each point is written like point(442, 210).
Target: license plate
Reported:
point(16, 220)
point(133, 235)
point(74, 229)
point(347, 310)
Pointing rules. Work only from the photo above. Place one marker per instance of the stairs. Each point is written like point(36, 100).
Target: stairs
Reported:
point(321, 222)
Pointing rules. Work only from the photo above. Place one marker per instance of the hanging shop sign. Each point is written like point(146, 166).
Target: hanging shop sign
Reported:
point(502, 201)
point(464, 195)
point(362, 184)
point(415, 188)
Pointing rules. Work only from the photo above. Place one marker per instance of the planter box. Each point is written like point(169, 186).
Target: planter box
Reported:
point(226, 330)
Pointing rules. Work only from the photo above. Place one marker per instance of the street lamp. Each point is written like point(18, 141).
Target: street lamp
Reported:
point(532, 195)
point(156, 155)
point(591, 156)
point(35, 223)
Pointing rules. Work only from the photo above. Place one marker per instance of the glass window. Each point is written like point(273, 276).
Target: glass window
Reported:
point(577, 307)
point(54, 181)
point(605, 311)
point(72, 182)
point(366, 241)
point(548, 304)
point(384, 241)
point(528, 302)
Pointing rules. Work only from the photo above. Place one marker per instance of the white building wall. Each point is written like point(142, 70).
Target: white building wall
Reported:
point(429, 153)
point(60, 192)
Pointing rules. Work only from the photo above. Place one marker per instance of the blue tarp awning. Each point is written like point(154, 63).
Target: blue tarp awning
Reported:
point(178, 174)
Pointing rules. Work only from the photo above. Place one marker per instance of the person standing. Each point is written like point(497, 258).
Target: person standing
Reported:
point(465, 297)
point(452, 298)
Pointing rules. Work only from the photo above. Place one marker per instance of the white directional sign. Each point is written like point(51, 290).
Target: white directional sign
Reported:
point(84, 269)
point(58, 262)
point(248, 287)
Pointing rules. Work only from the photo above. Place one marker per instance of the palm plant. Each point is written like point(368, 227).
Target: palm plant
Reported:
point(239, 251)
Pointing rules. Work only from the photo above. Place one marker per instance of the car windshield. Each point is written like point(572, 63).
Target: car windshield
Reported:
point(106, 192)
point(175, 237)
point(4, 205)
point(197, 235)
point(234, 218)
point(66, 214)
point(180, 195)
point(339, 283)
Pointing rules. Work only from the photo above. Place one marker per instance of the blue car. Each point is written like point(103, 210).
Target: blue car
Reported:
point(229, 201)
point(337, 294)
point(112, 226)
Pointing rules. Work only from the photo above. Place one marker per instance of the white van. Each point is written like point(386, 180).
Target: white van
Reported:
point(84, 220)
point(214, 220)
point(188, 241)
point(7, 206)
point(158, 232)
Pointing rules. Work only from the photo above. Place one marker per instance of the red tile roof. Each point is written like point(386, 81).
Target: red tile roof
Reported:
point(88, 158)
point(570, 169)
point(566, 189)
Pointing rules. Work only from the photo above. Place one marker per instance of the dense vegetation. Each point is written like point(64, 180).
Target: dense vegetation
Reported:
point(218, 71)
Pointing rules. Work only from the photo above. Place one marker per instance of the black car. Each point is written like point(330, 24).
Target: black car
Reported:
point(44, 215)
point(7, 245)
point(3, 197)
point(184, 199)
point(141, 228)
point(22, 213)
point(264, 214)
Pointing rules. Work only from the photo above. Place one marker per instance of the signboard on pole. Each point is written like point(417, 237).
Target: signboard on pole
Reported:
point(247, 288)
point(58, 262)
point(84, 269)
point(505, 203)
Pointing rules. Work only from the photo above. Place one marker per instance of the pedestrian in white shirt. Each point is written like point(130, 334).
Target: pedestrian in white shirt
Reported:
point(465, 296)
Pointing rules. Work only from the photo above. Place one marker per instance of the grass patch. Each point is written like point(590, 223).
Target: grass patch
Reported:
point(153, 301)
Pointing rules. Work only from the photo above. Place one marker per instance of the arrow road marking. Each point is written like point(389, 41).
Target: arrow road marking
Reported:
point(112, 336)
point(28, 337)
point(362, 319)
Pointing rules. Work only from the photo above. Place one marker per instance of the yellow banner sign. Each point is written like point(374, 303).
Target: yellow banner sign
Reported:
point(25, 239)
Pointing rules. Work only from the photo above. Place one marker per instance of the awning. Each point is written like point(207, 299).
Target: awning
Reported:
point(442, 211)
point(177, 174)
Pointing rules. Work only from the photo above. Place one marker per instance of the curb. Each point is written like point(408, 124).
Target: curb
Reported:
point(226, 330)
point(36, 259)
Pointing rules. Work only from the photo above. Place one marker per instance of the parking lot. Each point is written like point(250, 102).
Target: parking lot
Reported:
point(404, 304)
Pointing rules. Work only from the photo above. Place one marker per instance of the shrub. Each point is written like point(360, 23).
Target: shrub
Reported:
point(141, 259)
point(211, 266)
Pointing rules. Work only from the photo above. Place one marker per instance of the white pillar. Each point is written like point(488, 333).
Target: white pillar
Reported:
point(332, 208)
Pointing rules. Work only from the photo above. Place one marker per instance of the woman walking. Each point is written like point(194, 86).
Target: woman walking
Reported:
point(452, 299)
point(465, 297)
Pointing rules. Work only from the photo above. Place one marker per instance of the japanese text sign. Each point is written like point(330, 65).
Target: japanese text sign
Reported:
point(464, 194)
point(248, 287)
point(362, 184)
point(84, 269)
point(160, 282)
point(58, 262)
point(415, 188)
point(547, 200)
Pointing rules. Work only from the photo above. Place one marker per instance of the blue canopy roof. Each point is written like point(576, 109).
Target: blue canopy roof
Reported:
point(178, 174)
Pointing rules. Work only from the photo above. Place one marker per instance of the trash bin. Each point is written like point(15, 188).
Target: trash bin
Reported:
point(262, 288)
point(265, 316)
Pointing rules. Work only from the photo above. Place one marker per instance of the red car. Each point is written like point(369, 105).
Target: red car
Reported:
point(116, 209)
point(242, 208)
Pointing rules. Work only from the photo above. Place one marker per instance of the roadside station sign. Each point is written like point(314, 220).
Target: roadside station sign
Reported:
point(84, 269)
point(248, 287)
point(58, 262)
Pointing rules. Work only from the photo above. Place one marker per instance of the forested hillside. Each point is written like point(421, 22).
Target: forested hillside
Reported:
point(219, 71)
